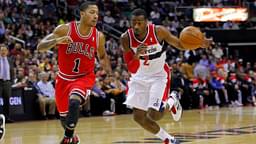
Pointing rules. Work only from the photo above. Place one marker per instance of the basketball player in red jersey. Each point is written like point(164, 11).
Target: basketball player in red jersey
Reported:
point(149, 84)
point(77, 43)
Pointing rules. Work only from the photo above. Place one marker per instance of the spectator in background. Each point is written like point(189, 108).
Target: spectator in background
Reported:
point(118, 93)
point(217, 52)
point(233, 90)
point(17, 50)
point(99, 102)
point(181, 84)
point(247, 89)
point(20, 80)
point(111, 46)
point(201, 69)
point(167, 23)
point(155, 15)
point(108, 18)
point(32, 82)
point(46, 96)
point(201, 96)
point(227, 25)
point(6, 78)
point(2, 30)
point(110, 92)
point(124, 24)
point(187, 70)
point(217, 83)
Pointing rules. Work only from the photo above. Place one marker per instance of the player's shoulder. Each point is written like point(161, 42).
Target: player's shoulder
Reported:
point(124, 40)
point(63, 26)
point(62, 29)
point(161, 31)
point(160, 28)
point(100, 35)
point(124, 36)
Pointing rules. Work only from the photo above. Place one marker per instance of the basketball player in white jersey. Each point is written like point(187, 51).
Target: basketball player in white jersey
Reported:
point(148, 88)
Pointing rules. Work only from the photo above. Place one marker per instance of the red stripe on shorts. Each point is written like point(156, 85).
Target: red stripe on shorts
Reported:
point(168, 84)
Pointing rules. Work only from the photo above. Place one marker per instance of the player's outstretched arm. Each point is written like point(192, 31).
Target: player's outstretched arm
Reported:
point(102, 55)
point(59, 35)
point(164, 34)
point(207, 42)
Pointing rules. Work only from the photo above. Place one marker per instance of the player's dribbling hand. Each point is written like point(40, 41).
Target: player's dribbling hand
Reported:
point(141, 50)
point(64, 40)
point(207, 42)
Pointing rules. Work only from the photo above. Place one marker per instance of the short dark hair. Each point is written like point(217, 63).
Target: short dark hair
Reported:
point(139, 12)
point(86, 4)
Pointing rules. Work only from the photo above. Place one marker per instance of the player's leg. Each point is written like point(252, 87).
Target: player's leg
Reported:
point(70, 121)
point(158, 95)
point(174, 106)
point(73, 114)
point(158, 131)
point(79, 92)
point(172, 103)
point(140, 116)
point(144, 119)
point(61, 97)
point(138, 98)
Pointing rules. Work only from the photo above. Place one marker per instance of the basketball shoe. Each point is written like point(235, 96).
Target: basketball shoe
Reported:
point(2, 126)
point(73, 140)
point(174, 106)
point(174, 141)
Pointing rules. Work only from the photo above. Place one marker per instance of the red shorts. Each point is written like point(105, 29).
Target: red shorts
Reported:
point(65, 87)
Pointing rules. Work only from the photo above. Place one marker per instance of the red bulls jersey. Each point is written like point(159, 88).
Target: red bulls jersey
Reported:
point(153, 60)
point(78, 58)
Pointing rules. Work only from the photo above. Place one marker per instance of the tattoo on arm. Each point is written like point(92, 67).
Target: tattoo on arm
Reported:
point(47, 43)
point(52, 39)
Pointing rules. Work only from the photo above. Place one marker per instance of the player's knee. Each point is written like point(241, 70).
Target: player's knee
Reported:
point(63, 121)
point(74, 103)
point(75, 97)
point(154, 115)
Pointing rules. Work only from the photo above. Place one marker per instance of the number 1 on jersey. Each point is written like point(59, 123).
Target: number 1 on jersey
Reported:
point(146, 58)
point(76, 66)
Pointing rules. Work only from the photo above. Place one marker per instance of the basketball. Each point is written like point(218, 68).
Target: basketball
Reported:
point(191, 37)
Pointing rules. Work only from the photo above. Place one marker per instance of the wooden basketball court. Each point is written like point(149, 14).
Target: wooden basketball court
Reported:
point(223, 126)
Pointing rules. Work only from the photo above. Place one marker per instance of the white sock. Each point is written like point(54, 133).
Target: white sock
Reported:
point(162, 134)
point(170, 102)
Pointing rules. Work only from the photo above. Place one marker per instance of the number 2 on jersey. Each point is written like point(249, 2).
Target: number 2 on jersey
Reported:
point(146, 58)
point(76, 66)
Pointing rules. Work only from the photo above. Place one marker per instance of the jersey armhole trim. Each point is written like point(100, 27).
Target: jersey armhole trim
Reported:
point(129, 41)
point(97, 39)
point(69, 28)
point(155, 34)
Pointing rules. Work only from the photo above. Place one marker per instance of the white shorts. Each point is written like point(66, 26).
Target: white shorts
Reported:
point(149, 91)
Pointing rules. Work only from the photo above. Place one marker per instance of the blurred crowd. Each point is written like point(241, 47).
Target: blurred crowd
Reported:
point(204, 77)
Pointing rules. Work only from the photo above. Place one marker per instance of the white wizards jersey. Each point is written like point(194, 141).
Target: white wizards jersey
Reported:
point(153, 60)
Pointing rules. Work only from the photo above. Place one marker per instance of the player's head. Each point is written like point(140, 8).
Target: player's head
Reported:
point(89, 13)
point(139, 21)
point(44, 76)
point(3, 50)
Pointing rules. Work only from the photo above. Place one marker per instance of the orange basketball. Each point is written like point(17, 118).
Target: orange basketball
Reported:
point(191, 37)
